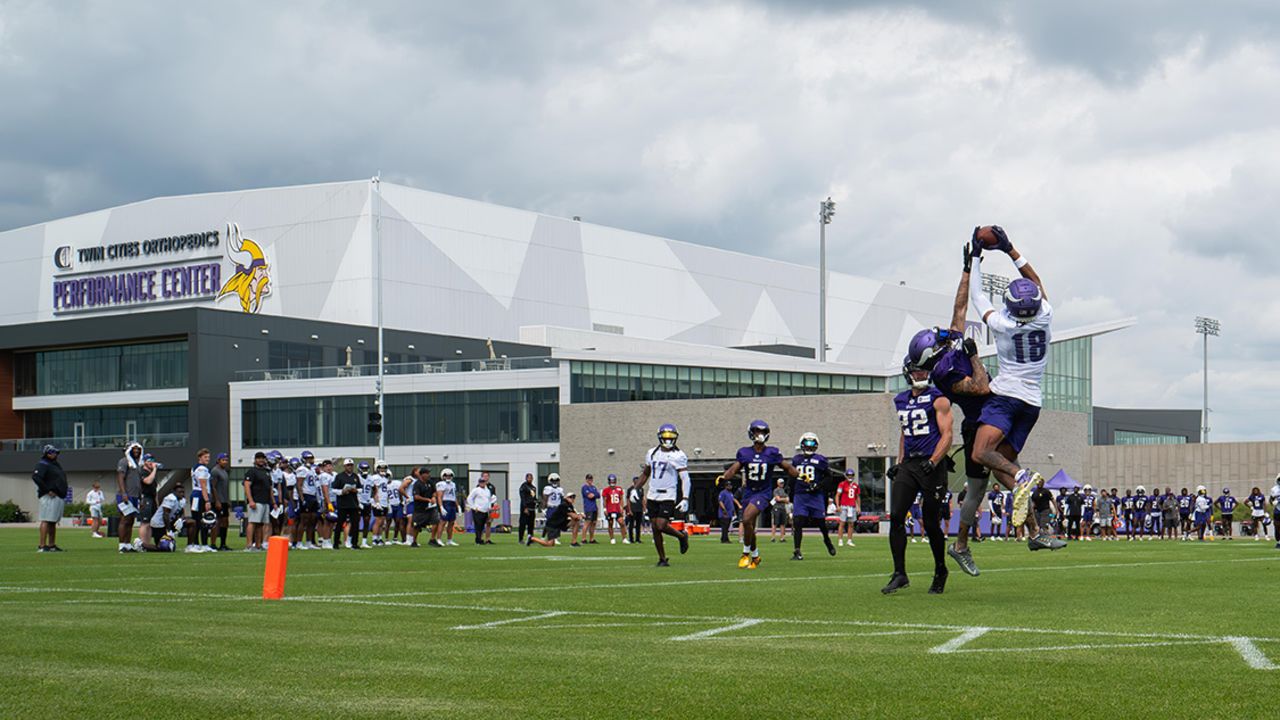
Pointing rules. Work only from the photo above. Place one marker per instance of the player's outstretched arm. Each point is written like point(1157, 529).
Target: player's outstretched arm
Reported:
point(979, 383)
point(732, 472)
point(961, 308)
point(1025, 269)
point(980, 301)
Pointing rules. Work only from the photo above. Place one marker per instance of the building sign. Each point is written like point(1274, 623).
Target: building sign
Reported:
point(163, 281)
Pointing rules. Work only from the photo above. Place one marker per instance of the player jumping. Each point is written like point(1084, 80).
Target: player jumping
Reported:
point(759, 463)
point(666, 470)
point(1022, 334)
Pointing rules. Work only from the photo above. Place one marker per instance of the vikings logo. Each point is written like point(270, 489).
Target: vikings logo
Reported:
point(252, 279)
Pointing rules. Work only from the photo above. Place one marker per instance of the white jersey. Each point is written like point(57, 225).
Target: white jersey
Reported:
point(393, 489)
point(290, 485)
point(1204, 504)
point(552, 496)
point(199, 478)
point(448, 491)
point(1275, 498)
point(364, 491)
point(325, 481)
point(1023, 351)
point(94, 498)
point(380, 486)
point(665, 467)
point(306, 477)
point(170, 503)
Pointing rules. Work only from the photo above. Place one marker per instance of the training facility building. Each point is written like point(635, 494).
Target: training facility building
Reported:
point(514, 342)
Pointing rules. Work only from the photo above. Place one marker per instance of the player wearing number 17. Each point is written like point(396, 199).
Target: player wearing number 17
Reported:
point(666, 470)
point(1022, 333)
point(760, 463)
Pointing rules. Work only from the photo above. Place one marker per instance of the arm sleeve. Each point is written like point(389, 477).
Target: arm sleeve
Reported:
point(980, 301)
point(684, 483)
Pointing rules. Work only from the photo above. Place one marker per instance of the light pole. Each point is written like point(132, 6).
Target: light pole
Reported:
point(826, 211)
point(377, 254)
point(1206, 327)
point(993, 285)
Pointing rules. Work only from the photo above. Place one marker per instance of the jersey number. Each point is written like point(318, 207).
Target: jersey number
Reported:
point(807, 473)
point(659, 469)
point(757, 472)
point(1030, 347)
point(914, 422)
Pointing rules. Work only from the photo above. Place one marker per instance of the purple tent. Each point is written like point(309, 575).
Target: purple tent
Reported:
point(1061, 480)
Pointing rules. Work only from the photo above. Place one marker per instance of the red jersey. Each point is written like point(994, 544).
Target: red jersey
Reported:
point(848, 492)
point(612, 499)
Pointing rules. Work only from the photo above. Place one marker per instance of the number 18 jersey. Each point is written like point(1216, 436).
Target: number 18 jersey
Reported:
point(1023, 350)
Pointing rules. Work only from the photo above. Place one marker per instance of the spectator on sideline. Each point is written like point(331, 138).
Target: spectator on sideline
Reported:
point(201, 497)
point(558, 521)
point(528, 506)
point(364, 497)
point(1185, 502)
point(257, 494)
point(995, 506)
point(422, 496)
point(1090, 510)
point(552, 496)
point(779, 504)
point(1227, 504)
point(590, 509)
point(447, 497)
point(849, 500)
point(1106, 511)
point(1170, 505)
point(346, 490)
point(1202, 512)
point(612, 496)
point(479, 502)
point(147, 502)
point(51, 491)
point(635, 512)
point(1043, 503)
point(1257, 504)
point(1075, 511)
point(94, 498)
point(726, 509)
point(494, 507)
point(128, 493)
point(221, 486)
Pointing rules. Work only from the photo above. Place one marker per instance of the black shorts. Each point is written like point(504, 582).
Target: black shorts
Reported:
point(972, 468)
point(379, 512)
point(310, 504)
point(146, 507)
point(612, 515)
point(591, 515)
point(662, 509)
point(553, 533)
point(421, 520)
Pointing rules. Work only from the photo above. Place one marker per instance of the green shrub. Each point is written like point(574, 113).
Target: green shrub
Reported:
point(9, 511)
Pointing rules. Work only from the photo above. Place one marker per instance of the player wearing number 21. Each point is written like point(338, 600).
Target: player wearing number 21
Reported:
point(761, 464)
point(1022, 333)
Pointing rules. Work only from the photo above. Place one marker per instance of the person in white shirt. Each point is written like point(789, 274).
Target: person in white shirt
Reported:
point(666, 471)
point(1275, 510)
point(480, 502)
point(447, 497)
point(95, 497)
point(328, 511)
point(552, 496)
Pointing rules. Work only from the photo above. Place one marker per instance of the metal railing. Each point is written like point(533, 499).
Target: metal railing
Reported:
point(95, 442)
point(414, 368)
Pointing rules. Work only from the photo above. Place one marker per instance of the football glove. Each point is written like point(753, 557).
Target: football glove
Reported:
point(682, 506)
point(967, 251)
point(975, 246)
point(1002, 239)
point(892, 472)
point(927, 467)
point(970, 347)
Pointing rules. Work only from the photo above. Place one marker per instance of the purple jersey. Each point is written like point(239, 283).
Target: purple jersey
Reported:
point(590, 494)
point(950, 369)
point(919, 421)
point(813, 473)
point(1227, 503)
point(1140, 503)
point(1257, 502)
point(759, 468)
point(1184, 504)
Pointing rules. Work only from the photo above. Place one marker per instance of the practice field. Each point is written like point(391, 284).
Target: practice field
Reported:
point(1155, 629)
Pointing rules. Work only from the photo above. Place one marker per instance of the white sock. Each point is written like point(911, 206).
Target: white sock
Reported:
point(755, 553)
point(746, 549)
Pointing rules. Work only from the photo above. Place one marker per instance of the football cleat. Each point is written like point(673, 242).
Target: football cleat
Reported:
point(939, 582)
point(684, 542)
point(1044, 541)
point(755, 563)
point(796, 555)
point(663, 563)
point(745, 560)
point(897, 581)
point(964, 560)
point(1022, 496)
point(831, 549)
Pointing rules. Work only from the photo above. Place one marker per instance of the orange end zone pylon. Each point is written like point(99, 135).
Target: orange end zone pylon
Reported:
point(277, 563)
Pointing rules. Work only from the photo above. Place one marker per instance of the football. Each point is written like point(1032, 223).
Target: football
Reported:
point(987, 236)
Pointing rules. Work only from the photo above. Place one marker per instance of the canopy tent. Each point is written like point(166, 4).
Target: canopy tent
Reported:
point(1061, 480)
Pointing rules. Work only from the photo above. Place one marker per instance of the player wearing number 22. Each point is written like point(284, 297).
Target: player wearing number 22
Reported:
point(925, 415)
point(666, 470)
point(760, 463)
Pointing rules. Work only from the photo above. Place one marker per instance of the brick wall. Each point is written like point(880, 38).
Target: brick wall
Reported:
point(10, 421)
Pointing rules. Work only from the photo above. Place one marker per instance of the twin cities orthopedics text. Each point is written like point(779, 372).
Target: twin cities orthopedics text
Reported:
point(183, 282)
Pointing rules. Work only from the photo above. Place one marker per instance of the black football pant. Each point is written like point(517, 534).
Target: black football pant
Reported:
point(478, 519)
point(1073, 526)
point(526, 523)
point(725, 523)
point(911, 479)
point(635, 523)
point(347, 515)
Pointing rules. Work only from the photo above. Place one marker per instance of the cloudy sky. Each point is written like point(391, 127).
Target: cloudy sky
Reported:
point(1128, 148)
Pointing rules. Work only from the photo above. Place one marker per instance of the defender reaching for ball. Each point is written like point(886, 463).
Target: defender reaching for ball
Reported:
point(760, 463)
point(1022, 333)
point(925, 415)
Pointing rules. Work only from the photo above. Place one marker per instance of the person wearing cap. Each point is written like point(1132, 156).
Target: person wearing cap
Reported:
point(494, 507)
point(220, 483)
point(612, 497)
point(128, 494)
point(424, 498)
point(849, 501)
point(51, 491)
point(1227, 505)
point(727, 507)
point(201, 496)
point(147, 501)
point(528, 507)
point(559, 519)
point(346, 493)
point(94, 499)
point(447, 499)
point(257, 494)
point(552, 496)
point(479, 503)
point(590, 509)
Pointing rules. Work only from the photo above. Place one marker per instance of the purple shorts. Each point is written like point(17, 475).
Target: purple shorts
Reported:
point(759, 499)
point(1012, 417)
point(810, 506)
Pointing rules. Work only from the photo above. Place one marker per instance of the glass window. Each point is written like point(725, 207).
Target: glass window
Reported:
point(114, 368)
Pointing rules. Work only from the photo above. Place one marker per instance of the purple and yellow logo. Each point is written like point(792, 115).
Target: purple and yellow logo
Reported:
point(252, 278)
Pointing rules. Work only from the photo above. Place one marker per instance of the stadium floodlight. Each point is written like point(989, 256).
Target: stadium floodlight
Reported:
point(1206, 326)
point(377, 254)
point(994, 286)
point(826, 211)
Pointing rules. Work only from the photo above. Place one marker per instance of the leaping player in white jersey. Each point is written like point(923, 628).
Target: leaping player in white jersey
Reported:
point(1022, 333)
point(666, 470)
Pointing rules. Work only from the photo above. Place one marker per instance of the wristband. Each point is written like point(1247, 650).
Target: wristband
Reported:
point(1021, 262)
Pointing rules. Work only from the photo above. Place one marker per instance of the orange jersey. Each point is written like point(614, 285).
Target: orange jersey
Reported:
point(612, 496)
point(849, 492)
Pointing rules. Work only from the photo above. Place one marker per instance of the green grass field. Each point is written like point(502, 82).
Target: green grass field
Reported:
point(597, 632)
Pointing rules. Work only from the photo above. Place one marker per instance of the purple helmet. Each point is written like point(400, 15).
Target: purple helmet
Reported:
point(667, 436)
point(758, 429)
point(1022, 300)
point(926, 347)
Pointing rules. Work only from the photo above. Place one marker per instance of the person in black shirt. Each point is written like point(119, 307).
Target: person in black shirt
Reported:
point(1041, 501)
point(51, 490)
point(1075, 509)
point(528, 506)
point(346, 485)
point(635, 510)
point(558, 520)
point(257, 492)
point(423, 496)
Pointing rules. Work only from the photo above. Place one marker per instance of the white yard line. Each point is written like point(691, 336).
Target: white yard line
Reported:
point(1089, 646)
point(1253, 657)
point(960, 640)
point(749, 622)
point(509, 621)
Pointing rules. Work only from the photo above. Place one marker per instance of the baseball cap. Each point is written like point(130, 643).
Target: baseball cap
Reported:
point(50, 450)
point(570, 494)
point(348, 461)
point(256, 455)
point(224, 456)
